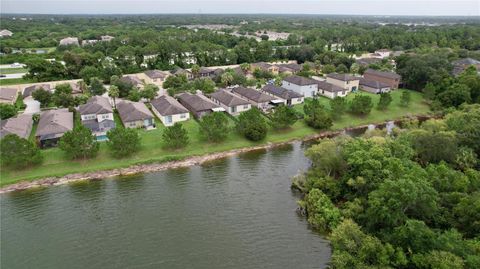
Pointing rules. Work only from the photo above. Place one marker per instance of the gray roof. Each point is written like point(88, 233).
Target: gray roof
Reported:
point(133, 111)
point(293, 66)
point(20, 125)
point(8, 94)
point(298, 80)
point(281, 92)
point(180, 71)
point(254, 95)
point(466, 61)
point(132, 80)
point(342, 77)
point(261, 65)
point(329, 87)
point(206, 71)
point(54, 123)
point(167, 105)
point(154, 74)
point(228, 99)
point(196, 102)
point(390, 75)
point(30, 89)
point(368, 61)
point(96, 105)
point(373, 84)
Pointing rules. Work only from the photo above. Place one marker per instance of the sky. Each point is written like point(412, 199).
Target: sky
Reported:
point(346, 7)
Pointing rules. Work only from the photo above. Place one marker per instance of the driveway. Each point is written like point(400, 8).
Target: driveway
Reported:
point(33, 106)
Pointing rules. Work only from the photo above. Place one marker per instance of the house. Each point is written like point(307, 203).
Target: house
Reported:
point(198, 104)
point(290, 68)
point(97, 115)
point(266, 67)
point(373, 86)
point(8, 95)
point(289, 97)
point(383, 53)
point(135, 115)
point(180, 71)
point(302, 85)
point(331, 90)
point(256, 98)
point(389, 78)
point(206, 72)
point(367, 61)
point(460, 65)
point(52, 125)
point(69, 41)
point(20, 125)
point(30, 89)
point(232, 103)
point(77, 88)
point(345, 81)
point(5, 33)
point(132, 80)
point(106, 38)
point(156, 77)
point(169, 110)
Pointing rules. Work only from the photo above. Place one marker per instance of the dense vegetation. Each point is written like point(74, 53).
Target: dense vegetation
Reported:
point(408, 200)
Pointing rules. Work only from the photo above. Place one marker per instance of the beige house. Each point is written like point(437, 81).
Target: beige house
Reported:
point(135, 115)
point(169, 110)
point(330, 90)
point(232, 103)
point(264, 67)
point(345, 81)
point(156, 77)
point(257, 98)
point(8, 95)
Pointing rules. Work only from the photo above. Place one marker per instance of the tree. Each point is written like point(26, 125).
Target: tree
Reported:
point(252, 125)
point(96, 87)
point(433, 147)
point(175, 136)
point(328, 68)
point(113, 92)
point(89, 72)
point(385, 100)
point(134, 95)
point(7, 111)
point(195, 70)
point(467, 215)
point(361, 105)
point(79, 143)
point(405, 98)
point(455, 95)
point(338, 107)
point(123, 142)
point(149, 92)
point(42, 96)
point(322, 213)
point(327, 157)
point(466, 124)
point(226, 79)
point(206, 85)
point(438, 260)
point(316, 115)
point(430, 91)
point(283, 117)
point(214, 127)
point(63, 95)
point(18, 152)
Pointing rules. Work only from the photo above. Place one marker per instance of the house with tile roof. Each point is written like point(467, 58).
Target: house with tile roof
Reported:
point(389, 78)
point(345, 81)
point(53, 124)
point(20, 125)
point(97, 115)
point(8, 95)
point(288, 97)
point(331, 90)
point(306, 86)
point(258, 99)
point(373, 86)
point(169, 110)
point(232, 103)
point(198, 104)
point(135, 115)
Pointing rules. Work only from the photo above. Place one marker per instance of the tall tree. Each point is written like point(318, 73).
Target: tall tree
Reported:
point(79, 143)
point(214, 127)
point(18, 152)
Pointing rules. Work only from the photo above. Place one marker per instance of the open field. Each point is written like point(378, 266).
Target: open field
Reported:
point(55, 163)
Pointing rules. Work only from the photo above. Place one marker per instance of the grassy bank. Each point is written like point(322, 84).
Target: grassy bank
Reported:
point(55, 163)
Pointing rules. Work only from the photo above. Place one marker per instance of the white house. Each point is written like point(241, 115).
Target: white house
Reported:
point(331, 90)
point(344, 81)
point(256, 98)
point(288, 97)
point(97, 115)
point(169, 110)
point(69, 41)
point(232, 103)
point(304, 86)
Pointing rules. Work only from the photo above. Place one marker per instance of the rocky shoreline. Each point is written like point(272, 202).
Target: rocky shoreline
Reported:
point(155, 167)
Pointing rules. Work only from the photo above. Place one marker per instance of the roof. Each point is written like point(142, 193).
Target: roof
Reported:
point(228, 99)
point(153, 74)
point(96, 105)
point(329, 87)
point(383, 50)
point(281, 92)
point(298, 80)
point(20, 125)
point(180, 71)
point(30, 89)
point(373, 84)
point(167, 105)
point(196, 102)
point(390, 75)
point(54, 122)
point(132, 80)
point(367, 61)
point(292, 66)
point(76, 89)
point(204, 70)
point(342, 77)
point(133, 111)
point(262, 65)
point(69, 41)
point(254, 95)
point(466, 61)
point(8, 94)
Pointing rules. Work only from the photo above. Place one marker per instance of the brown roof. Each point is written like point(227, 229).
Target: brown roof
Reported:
point(54, 123)
point(342, 77)
point(8, 94)
point(132, 80)
point(167, 105)
point(20, 125)
point(196, 102)
point(254, 95)
point(373, 84)
point(228, 99)
point(293, 66)
point(96, 105)
point(281, 92)
point(390, 75)
point(30, 89)
point(133, 111)
point(329, 87)
point(298, 80)
point(154, 74)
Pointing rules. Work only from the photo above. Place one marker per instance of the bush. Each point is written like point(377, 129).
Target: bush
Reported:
point(361, 105)
point(214, 127)
point(7, 111)
point(385, 100)
point(252, 125)
point(175, 136)
point(18, 152)
point(123, 142)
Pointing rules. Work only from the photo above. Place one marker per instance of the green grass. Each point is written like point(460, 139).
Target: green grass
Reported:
point(5, 71)
point(13, 81)
point(55, 163)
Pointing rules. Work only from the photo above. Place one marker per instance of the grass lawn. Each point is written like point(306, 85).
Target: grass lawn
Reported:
point(5, 71)
point(55, 163)
point(13, 81)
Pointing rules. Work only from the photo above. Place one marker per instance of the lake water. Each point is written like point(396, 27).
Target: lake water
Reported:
point(237, 212)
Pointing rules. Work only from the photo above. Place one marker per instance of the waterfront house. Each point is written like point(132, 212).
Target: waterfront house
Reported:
point(331, 90)
point(373, 86)
point(169, 110)
point(135, 115)
point(256, 98)
point(302, 85)
point(52, 126)
point(345, 81)
point(30, 89)
point(69, 41)
point(198, 104)
point(8, 95)
point(97, 115)
point(232, 103)
point(288, 97)
point(20, 125)
point(389, 78)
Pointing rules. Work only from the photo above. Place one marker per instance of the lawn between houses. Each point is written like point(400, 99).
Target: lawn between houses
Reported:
point(56, 164)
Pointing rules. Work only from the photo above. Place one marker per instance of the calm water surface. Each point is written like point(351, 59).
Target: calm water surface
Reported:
point(237, 212)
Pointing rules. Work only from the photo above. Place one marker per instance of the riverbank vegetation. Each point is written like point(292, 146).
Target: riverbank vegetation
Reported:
point(408, 200)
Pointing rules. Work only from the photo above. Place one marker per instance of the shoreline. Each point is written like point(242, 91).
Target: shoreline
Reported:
point(186, 162)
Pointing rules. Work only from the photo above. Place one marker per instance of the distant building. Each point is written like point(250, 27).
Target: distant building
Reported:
point(97, 115)
point(389, 78)
point(89, 42)
point(135, 114)
point(373, 86)
point(288, 97)
point(5, 33)
point(345, 81)
point(8, 95)
point(302, 85)
point(69, 41)
point(460, 65)
point(106, 38)
point(20, 125)
point(169, 110)
point(198, 104)
point(206, 72)
point(331, 90)
point(181, 71)
point(383, 53)
point(52, 126)
point(232, 103)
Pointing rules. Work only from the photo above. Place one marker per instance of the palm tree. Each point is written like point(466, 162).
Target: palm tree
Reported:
point(195, 70)
point(226, 79)
point(245, 67)
point(114, 92)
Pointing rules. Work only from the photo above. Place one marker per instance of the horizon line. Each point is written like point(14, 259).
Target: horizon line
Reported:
point(283, 14)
